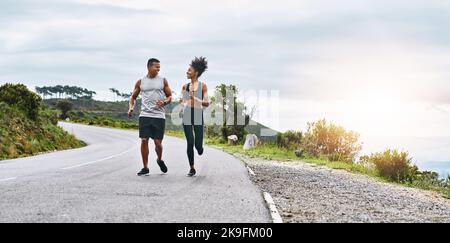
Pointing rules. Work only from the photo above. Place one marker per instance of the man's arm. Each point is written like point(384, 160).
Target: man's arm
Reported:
point(136, 92)
point(168, 93)
point(183, 90)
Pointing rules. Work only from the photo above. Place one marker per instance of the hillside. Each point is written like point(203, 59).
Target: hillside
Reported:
point(26, 127)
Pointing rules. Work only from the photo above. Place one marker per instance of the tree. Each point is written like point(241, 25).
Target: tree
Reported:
point(59, 90)
point(88, 94)
point(65, 106)
point(119, 94)
point(115, 91)
point(51, 90)
point(19, 96)
point(68, 91)
point(234, 119)
point(78, 92)
point(39, 90)
point(46, 91)
point(125, 95)
point(65, 91)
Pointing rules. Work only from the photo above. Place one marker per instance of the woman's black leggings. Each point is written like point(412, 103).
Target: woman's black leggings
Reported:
point(192, 141)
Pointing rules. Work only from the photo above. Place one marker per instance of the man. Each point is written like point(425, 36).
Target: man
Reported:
point(156, 94)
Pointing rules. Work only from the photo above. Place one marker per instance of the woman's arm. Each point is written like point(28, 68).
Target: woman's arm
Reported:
point(205, 101)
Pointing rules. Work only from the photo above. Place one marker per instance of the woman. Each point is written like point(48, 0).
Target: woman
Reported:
point(194, 98)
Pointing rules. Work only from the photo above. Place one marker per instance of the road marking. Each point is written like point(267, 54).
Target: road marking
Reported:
point(99, 160)
point(276, 218)
point(250, 171)
point(8, 179)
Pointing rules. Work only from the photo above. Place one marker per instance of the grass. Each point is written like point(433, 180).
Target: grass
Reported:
point(338, 165)
point(272, 152)
point(174, 133)
point(264, 151)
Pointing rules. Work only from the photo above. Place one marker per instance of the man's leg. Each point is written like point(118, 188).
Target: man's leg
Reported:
point(144, 152)
point(158, 148)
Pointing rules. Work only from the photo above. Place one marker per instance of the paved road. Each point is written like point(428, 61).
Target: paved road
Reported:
point(98, 183)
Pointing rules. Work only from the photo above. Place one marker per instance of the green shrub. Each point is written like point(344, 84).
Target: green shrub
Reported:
point(237, 130)
point(447, 190)
point(289, 139)
point(396, 166)
point(212, 131)
point(47, 115)
point(334, 142)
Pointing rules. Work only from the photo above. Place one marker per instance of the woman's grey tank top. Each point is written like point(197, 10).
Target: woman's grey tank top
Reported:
point(193, 116)
point(152, 90)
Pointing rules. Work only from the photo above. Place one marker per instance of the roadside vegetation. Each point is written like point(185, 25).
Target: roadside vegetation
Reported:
point(326, 144)
point(27, 126)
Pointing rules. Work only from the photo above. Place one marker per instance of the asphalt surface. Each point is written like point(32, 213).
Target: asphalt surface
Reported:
point(98, 183)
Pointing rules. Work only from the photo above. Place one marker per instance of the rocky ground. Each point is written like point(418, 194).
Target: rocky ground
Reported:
point(307, 193)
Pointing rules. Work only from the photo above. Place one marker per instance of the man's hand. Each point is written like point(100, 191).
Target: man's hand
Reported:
point(160, 103)
point(130, 113)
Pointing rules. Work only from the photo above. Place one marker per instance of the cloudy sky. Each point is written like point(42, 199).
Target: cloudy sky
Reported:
point(377, 67)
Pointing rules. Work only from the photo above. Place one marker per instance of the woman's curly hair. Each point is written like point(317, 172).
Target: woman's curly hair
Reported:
point(200, 64)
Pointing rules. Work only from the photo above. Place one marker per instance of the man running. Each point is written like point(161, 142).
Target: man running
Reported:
point(156, 94)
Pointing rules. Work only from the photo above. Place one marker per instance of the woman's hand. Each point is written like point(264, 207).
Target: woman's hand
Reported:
point(198, 102)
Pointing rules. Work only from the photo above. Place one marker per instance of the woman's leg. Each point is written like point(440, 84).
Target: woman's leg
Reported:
point(198, 130)
point(190, 143)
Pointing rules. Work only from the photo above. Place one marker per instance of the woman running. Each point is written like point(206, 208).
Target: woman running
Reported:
point(194, 98)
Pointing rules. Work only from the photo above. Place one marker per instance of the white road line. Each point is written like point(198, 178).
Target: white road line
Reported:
point(99, 160)
point(276, 218)
point(8, 179)
point(250, 171)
